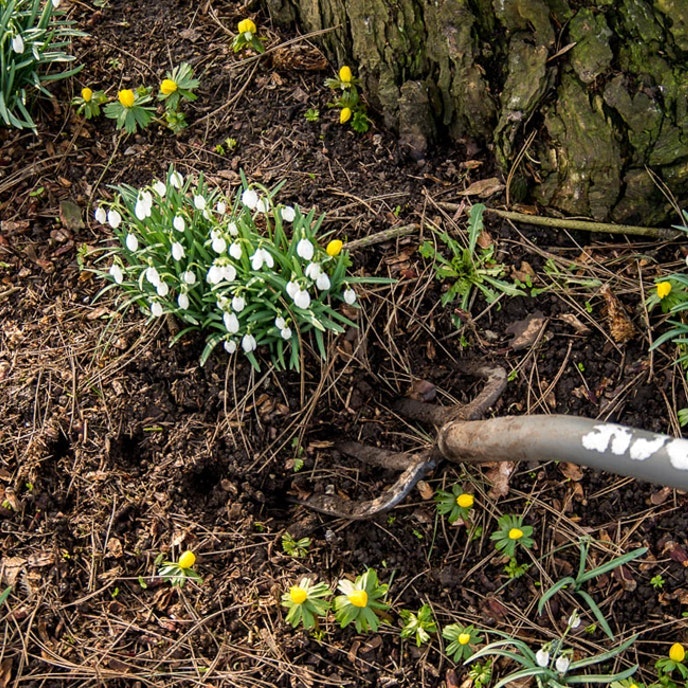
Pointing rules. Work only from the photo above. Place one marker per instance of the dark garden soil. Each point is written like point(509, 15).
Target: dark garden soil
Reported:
point(116, 448)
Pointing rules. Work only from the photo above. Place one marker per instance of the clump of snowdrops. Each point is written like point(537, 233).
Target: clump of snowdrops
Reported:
point(251, 273)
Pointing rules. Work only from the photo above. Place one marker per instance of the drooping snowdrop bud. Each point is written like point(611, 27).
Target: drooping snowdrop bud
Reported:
point(349, 296)
point(542, 658)
point(189, 277)
point(18, 44)
point(288, 213)
point(235, 250)
point(262, 206)
point(280, 322)
point(218, 242)
point(144, 205)
point(229, 273)
point(100, 215)
point(178, 223)
point(313, 271)
point(323, 282)
point(199, 202)
point(153, 276)
point(230, 346)
point(231, 322)
point(183, 301)
point(156, 309)
point(214, 275)
point(114, 218)
point(232, 228)
point(248, 343)
point(178, 251)
point(305, 249)
point(562, 664)
point(132, 243)
point(176, 180)
point(117, 274)
point(250, 199)
point(221, 207)
point(159, 188)
point(302, 299)
point(292, 288)
point(162, 289)
point(260, 257)
point(238, 303)
point(285, 332)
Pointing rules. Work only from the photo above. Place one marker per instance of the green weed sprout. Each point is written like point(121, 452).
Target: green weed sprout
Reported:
point(551, 666)
point(361, 602)
point(419, 625)
point(575, 585)
point(626, 683)
point(463, 639)
point(295, 548)
point(351, 107)
point(468, 267)
point(88, 102)
point(247, 37)
point(249, 273)
point(4, 595)
point(306, 602)
point(673, 662)
point(33, 40)
point(511, 534)
point(456, 504)
point(178, 572)
point(131, 110)
point(177, 86)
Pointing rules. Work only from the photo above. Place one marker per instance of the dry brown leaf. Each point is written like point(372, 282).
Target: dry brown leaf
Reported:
point(484, 240)
point(621, 328)
point(10, 568)
point(426, 492)
point(575, 323)
point(114, 548)
point(498, 476)
point(483, 188)
point(422, 390)
point(571, 471)
point(5, 672)
point(659, 497)
point(527, 331)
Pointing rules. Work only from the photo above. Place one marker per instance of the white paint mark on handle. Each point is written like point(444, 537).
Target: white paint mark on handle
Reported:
point(642, 448)
point(608, 437)
point(678, 454)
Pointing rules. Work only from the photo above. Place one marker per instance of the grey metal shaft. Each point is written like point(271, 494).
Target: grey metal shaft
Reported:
point(605, 446)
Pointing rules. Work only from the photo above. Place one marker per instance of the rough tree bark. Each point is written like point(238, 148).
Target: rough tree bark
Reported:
point(602, 85)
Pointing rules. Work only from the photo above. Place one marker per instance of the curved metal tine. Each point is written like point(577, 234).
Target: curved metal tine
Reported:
point(359, 510)
point(396, 461)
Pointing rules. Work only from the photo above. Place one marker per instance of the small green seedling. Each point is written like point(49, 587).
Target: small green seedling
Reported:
point(361, 602)
point(306, 602)
point(295, 548)
point(178, 572)
point(419, 625)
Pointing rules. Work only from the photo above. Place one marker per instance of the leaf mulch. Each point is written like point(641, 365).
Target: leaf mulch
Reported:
point(117, 448)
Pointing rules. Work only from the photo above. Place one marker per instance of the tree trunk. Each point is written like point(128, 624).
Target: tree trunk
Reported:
point(600, 85)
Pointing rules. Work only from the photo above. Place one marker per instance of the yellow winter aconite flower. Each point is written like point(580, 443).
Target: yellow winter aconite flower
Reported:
point(358, 598)
point(345, 115)
point(676, 652)
point(168, 86)
point(515, 534)
point(246, 26)
point(297, 594)
point(464, 638)
point(663, 289)
point(465, 500)
point(126, 97)
point(86, 94)
point(187, 559)
point(345, 75)
point(334, 248)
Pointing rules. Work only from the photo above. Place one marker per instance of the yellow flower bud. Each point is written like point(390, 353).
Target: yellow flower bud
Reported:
point(345, 115)
point(297, 594)
point(663, 289)
point(677, 653)
point(86, 94)
point(359, 598)
point(168, 86)
point(345, 75)
point(515, 534)
point(464, 638)
point(187, 560)
point(465, 500)
point(334, 248)
point(246, 26)
point(126, 97)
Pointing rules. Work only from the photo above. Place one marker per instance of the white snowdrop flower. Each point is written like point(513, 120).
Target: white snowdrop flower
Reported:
point(292, 288)
point(117, 274)
point(238, 303)
point(114, 219)
point(159, 188)
point(56, 3)
point(349, 296)
point(214, 275)
point(218, 242)
point(132, 243)
point(235, 250)
point(562, 664)
point(250, 199)
point(574, 620)
point(18, 44)
point(221, 207)
point(230, 346)
point(153, 276)
point(323, 282)
point(280, 322)
point(163, 289)
point(183, 301)
point(260, 257)
point(178, 223)
point(178, 251)
point(100, 215)
point(542, 658)
point(188, 277)
point(231, 322)
point(156, 309)
point(143, 209)
point(286, 333)
point(229, 273)
point(288, 213)
point(302, 299)
point(262, 206)
point(232, 228)
point(313, 271)
point(248, 343)
point(176, 180)
point(305, 249)
point(199, 202)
